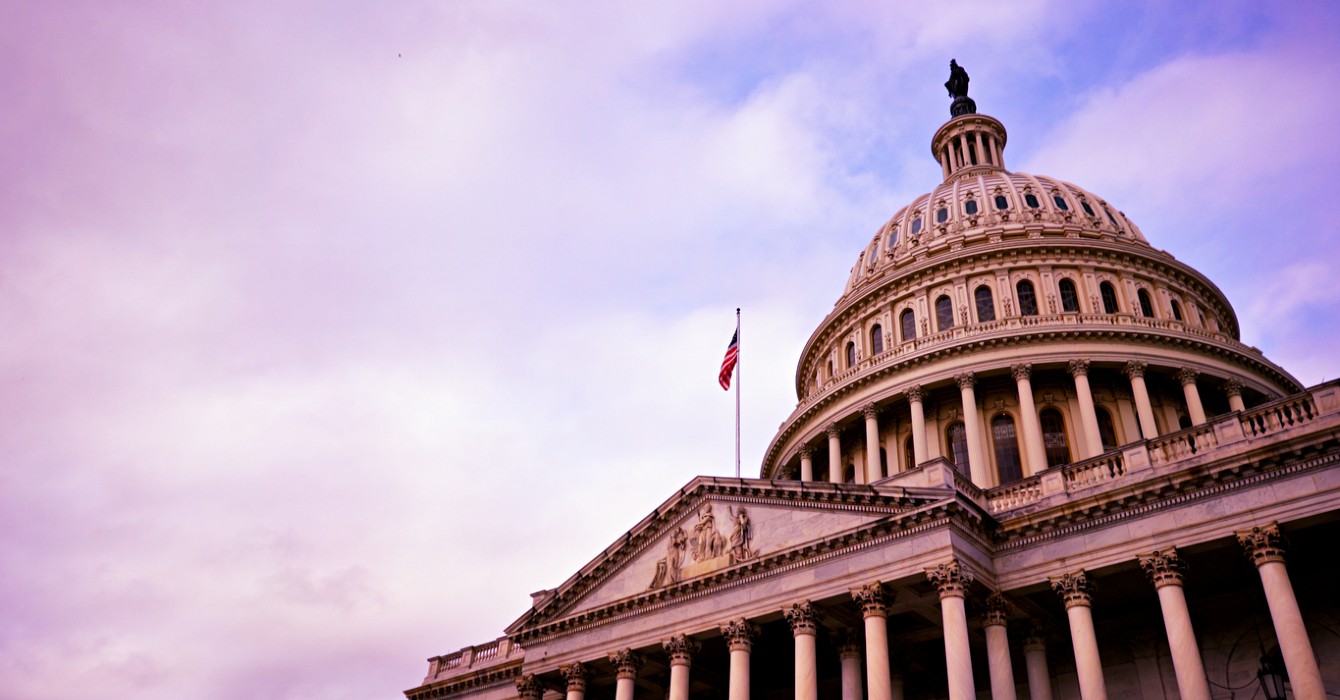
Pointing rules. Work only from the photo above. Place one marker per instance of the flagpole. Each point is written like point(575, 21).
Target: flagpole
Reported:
point(739, 374)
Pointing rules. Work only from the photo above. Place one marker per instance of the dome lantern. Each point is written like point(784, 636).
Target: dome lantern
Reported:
point(969, 142)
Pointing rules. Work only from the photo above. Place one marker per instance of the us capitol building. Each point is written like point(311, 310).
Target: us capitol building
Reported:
point(1031, 458)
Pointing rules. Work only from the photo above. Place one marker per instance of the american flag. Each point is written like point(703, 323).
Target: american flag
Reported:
point(728, 362)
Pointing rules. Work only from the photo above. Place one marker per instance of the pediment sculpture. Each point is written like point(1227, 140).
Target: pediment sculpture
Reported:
point(707, 549)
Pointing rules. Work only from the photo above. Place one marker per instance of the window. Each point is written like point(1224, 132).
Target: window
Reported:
point(941, 215)
point(970, 207)
point(1087, 209)
point(909, 323)
point(1053, 437)
point(1109, 294)
point(956, 444)
point(1106, 431)
point(1146, 307)
point(1002, 203)
point(1031, 200)
point(872, 258)
point(1060, 203)
point(1028, 301)
point(1008, 465)
point(944, 313)
point(986, 306)
point(909, 454)
point(893, 239)
point(851, 355)
point(1177, 310)
point(830, 369)
point(1069, 297)
point(916, 226)
point(1111, 218)
point(876, 340)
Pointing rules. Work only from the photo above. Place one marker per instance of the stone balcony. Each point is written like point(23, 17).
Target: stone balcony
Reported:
point(482, 661)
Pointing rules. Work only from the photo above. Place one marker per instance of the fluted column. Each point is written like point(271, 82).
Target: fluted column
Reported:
point(1143, 409)
point(626, 664)
point(874, 470)
point(1037, 451)
point(1264, 545)
point(806, 464)
point(834, 454)
point(1035, 660)
point(575, 675)
point(680, 648)
point(801, 618)
point(739, 636)
point(972, 423)
point(849, 656)
point(950, 580)
point(915, 394)
point(1233, 388)
point(874, 607)
point(998, 647)
point(528, 687)
point(1075, 592)
point(1165, 569)
point(1093, 440)
point(1187, 377)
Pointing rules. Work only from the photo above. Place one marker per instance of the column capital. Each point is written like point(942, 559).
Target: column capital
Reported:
point(1263, 543)
point(966, 380)
point(1164, 567)
point(575, 674)
point(801, 618)
point(1135, 368)
point(869, 410)
point(739, 634)
point(681, 649)
point(1035, 637)
point(1021, 371)
point(848, 644)
point(949, 578)
point(1233, 387)
point(1074, 589)
point(529, 687)
point(626, 662)
point(997, 609)
point(873, 598)
point(1186, 375)
point(915, 393)
point(1078, 367)
point(833, 430)
point(805, 451)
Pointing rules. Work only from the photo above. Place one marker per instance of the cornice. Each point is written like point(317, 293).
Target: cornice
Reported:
point(445, 688)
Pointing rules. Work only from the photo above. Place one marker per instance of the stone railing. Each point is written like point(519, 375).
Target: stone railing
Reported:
point(1278, 415)
point(1182, 444)
point(1094, 471)
point(473, 658)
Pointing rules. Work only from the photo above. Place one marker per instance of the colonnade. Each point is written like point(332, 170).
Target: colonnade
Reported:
point(1089, 442)
point(1164, 569)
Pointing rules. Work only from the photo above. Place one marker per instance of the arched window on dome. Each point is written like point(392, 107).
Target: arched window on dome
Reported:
point(970, 207)
point(1069, 296)
point(1087, 209)
point(1107, 432)
point(876, 340)
point(1008, 465)
point(1109, 294)
point(1176, 309)
point(1002, 203)
point(916, 225)
point(1031, 200)
point(986, 305)
point(851, 354)
point(1146, 306)
point(1028, 300)
point(873, 256)
point(944, 313)
point(909, 453)
point(1111, 218)
point(892, 240)
point(956, 445)
point(908, 322)
point(1060, 202)
point(941, 215)
point(1054, 437)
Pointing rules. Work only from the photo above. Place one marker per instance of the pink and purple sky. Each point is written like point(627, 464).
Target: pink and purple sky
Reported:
point(334, 329)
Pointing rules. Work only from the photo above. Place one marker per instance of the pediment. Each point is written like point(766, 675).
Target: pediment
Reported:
point(715, 525)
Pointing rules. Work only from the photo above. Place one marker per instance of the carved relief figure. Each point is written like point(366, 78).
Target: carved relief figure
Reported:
point(707, 543)
point(667, 569)
point(741, 536)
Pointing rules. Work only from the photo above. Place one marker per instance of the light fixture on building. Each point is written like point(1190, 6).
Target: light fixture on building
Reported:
point(1271, 677)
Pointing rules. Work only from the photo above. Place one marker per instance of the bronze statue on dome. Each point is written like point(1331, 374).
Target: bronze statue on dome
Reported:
point(957, 85)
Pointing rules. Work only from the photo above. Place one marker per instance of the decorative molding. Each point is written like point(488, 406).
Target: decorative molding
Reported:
point(1233, 387)
point(1164, 567)
point(949, 578)
point(965, 380)
point(869, 411)
point(1074, 588)
point(874, 599)
point(575, 674)
point(801, 618)
point(1263, 543)
point(997, 609)
point(1021, 371)
point(529, 687)
point(916, 392)
point(1187, 375)
point(739, 634)
point(626, 662)
point(681, 649)
point(1078, 367)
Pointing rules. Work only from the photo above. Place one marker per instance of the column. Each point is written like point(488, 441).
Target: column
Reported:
point(914, 396)
point(575, 674)
point(1233, 388)
point(1143, 409)
point(739, 636)
point(874, 470)
point(806, 464)
point(998, 647)
point(626, 664)
point(1075, 592)
point(1035, 659)
point(1165, 569)
point(849, 656)
point(1265, 547)
point(834, 454)
point(944, 162)
point(950, 579)
point(1187, 376)
point(680, 648)
point(1093, 441)
point(981, 152)
point(1037, 451)
point(528, 687)
point(801, 618)
point(972, 423)
point(874, 608)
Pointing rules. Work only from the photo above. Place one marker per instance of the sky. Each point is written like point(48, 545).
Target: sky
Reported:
point(332, 330)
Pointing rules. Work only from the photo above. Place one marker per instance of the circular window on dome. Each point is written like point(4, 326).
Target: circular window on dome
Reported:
point(1002, 203)
point(1031, 200)
point(1060, 203)
point(970, 207)
point(1087, 209)
point(916, 226)
point(941, 215)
